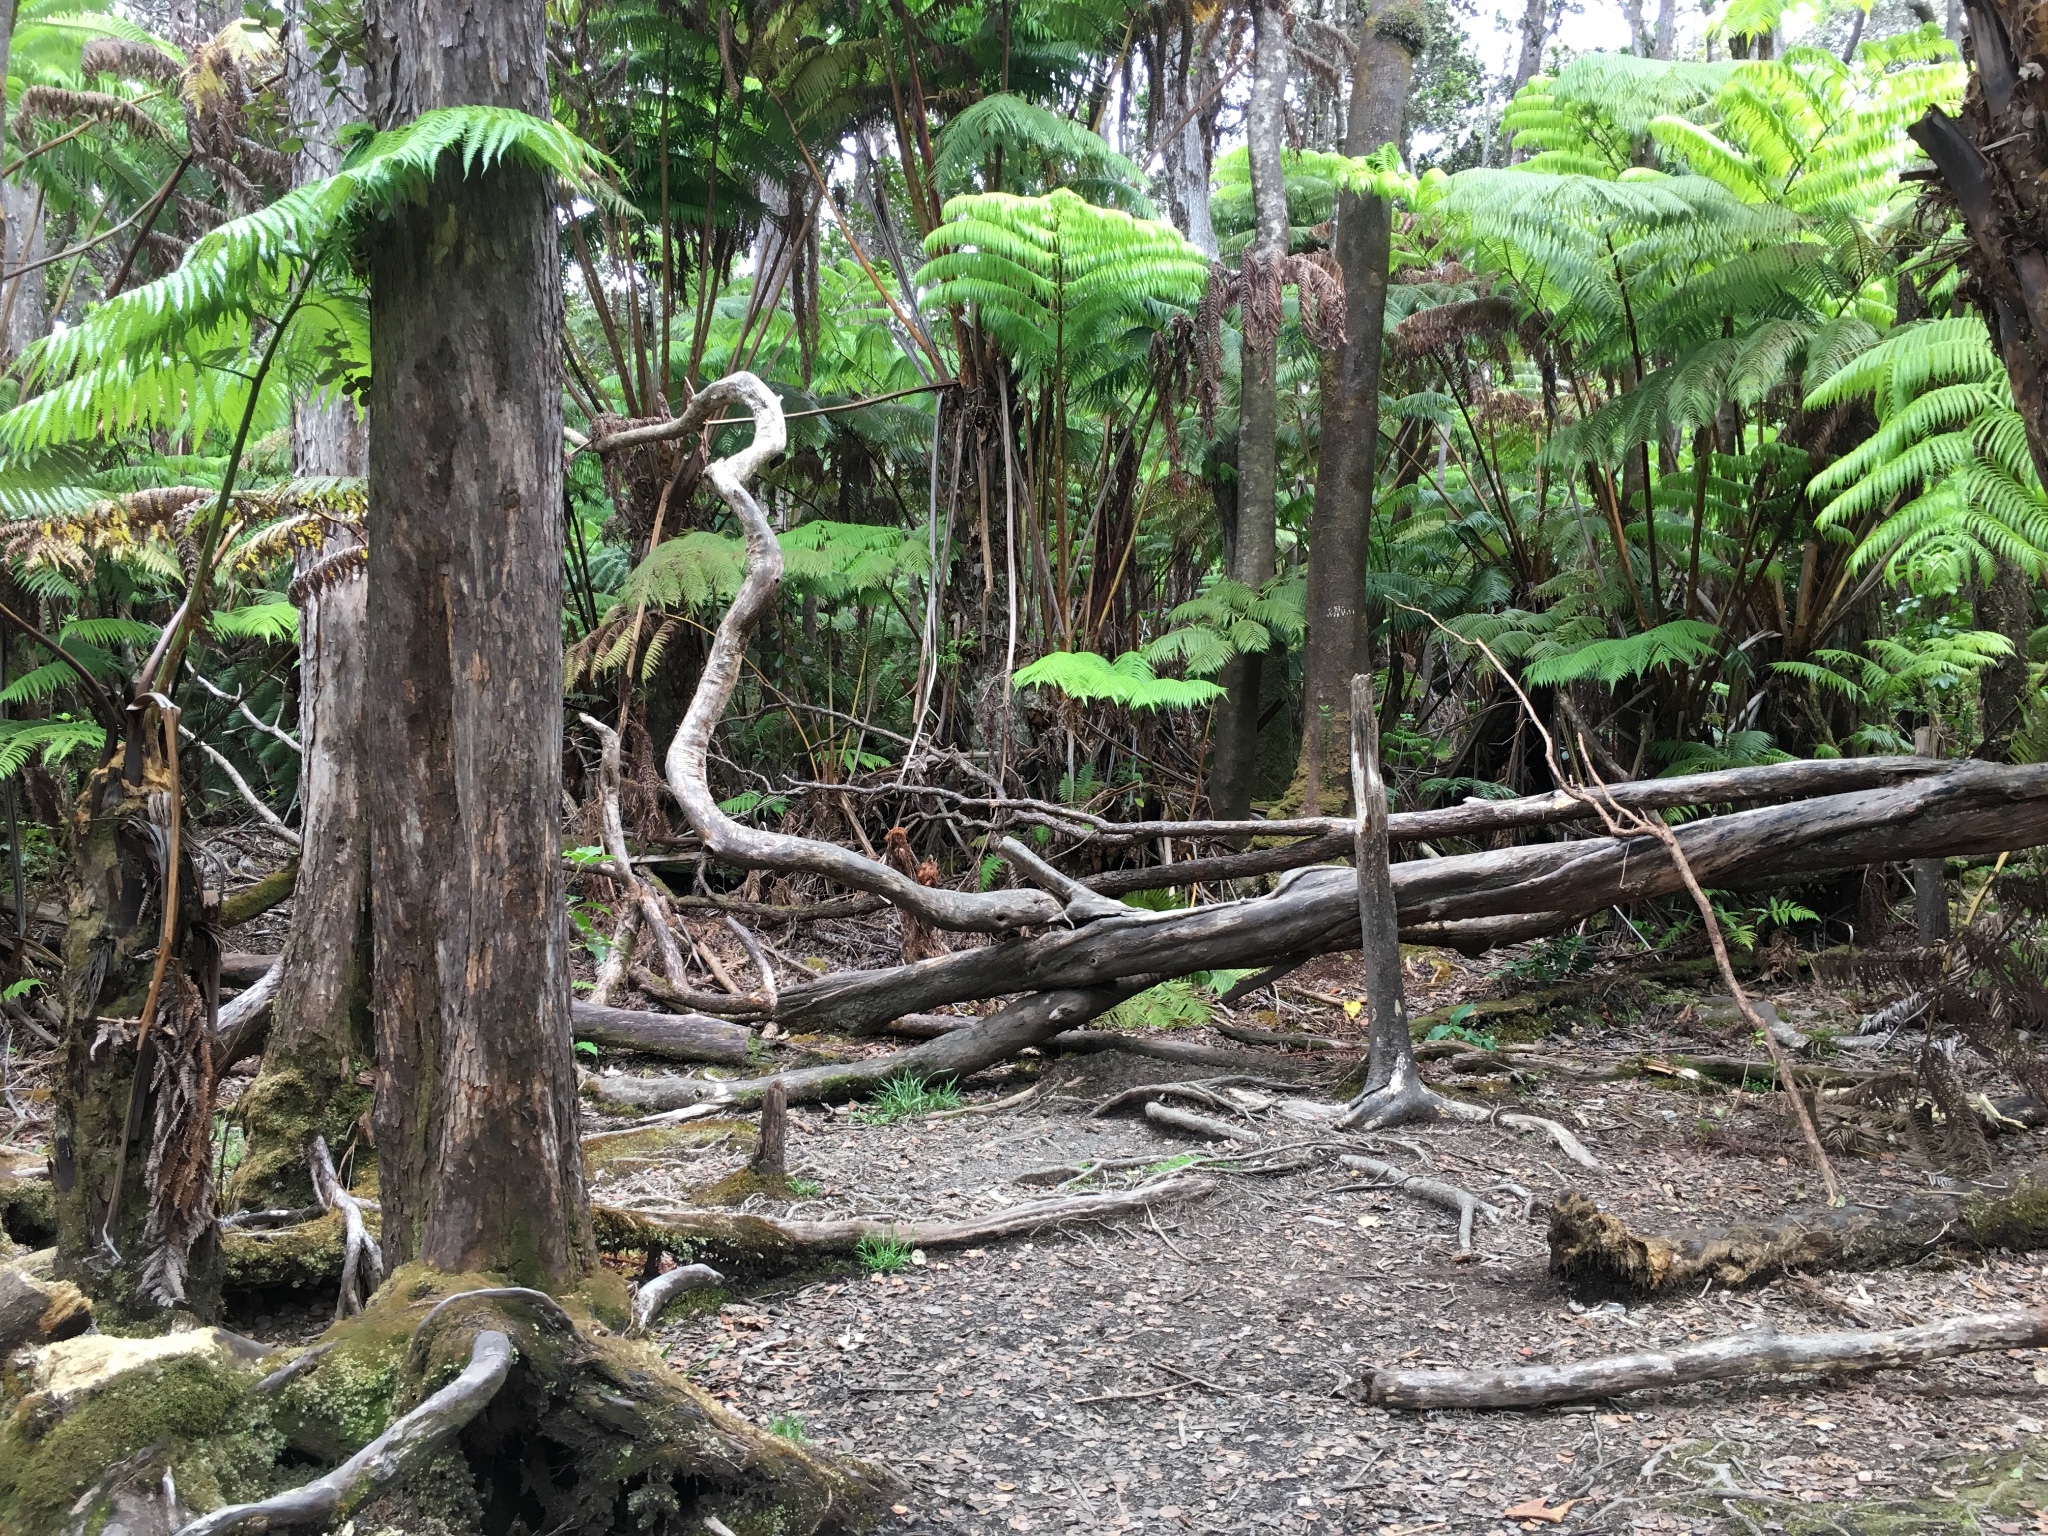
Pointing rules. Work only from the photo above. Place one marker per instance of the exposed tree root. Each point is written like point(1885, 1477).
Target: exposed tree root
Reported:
point(756, 1243)
point(406, 1445)
point(362, 1262)
point(656, 1294)
point(1201, 1125)
point(1393, 1176)
point(1744, 1354)
point(1595, 1251)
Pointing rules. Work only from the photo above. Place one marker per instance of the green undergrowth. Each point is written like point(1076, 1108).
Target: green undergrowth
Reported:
point(904, 1097)
point(2003, 1491)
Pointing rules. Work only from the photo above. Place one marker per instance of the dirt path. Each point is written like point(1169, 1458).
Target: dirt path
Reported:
point(1201, 1372)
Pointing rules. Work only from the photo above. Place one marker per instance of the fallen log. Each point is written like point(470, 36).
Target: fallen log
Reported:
point(1742, 1354)
point(1966, 808)
point(957, 1053)
point(1595, 1252)
point(1081, 1041)
point(682, 1036)
point(35, 1312)
point(752, 1241)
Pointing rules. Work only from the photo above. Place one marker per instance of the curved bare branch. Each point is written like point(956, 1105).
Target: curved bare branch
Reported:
point(751, 847)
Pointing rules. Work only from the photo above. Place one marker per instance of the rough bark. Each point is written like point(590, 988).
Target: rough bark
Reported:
point(1192, 100)
point(1258, 442)
point(1389, 1049)
point(1339, 640)
point(1994, 168)
point(684, 1036)
point(1597, 1253)
point(2005, 606)
point(1742, 1354)
point(320, 1031)
point(476, 1089)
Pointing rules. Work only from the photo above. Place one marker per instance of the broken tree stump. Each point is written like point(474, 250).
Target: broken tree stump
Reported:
point(771, 1153)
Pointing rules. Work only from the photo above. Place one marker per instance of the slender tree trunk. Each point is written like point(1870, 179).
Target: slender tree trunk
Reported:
point(476, 1091)
point(1252, 563)
point(1339, 638)
point(1664, 41)
point(320, 1035)
point(1192, 101)
point(2005, 606)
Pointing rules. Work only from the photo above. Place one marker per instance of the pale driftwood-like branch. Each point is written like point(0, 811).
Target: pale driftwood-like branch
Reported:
point(1079, 900)
point(611, 971)
point(1742, 1354)
point(650, 1300)
point(1393, 1176)
point(245, 1019)
point(1201, 1125)
point(759, 960)
point(754, 1238)
point(404, 1446)
point(362, 1263)
point(652, 918)
point(270, 820)
point(753, 847)
point(981, 1044)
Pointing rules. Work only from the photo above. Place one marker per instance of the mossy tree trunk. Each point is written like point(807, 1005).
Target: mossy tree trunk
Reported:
point(476, 1118)
point(320, 1036)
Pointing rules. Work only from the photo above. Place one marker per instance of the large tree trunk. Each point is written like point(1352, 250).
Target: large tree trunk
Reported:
point(320, 1035)
point(1991, 161)
point(2005, 606)
point(476, 1101)
point(1258, 435)
point(1339, 638)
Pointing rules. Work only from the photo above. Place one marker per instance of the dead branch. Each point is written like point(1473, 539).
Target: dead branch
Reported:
point(1597, 1252)
point(414, 1439)
point(1742, 1354)
point(683, 1036)
point(653, 1297)
point(1201, 1125)
point(1288, 1039)
point(1393, 1176)
point(362, 1263)
point(958, 1053)
point(638, 891)
point(617, 957)
point(756, 1239)
point(1967, 808)
point(755, 848)
point(736, 1003)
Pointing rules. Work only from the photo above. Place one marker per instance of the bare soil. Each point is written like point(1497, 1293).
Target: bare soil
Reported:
point(1202, 1371)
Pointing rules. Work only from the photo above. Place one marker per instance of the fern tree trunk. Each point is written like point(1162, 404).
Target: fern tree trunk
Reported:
point(320, 1035)
point(1339, 634)
point(1252, 549)
point(479, 1167)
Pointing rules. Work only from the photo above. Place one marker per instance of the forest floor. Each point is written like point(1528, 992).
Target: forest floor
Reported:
point(1200, 1371)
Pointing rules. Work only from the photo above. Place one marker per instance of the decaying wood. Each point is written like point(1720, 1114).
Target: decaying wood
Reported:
point(413, 1440)
point(34, 1312)
point(1188, 1052)
point(1288, 1039)
point(753, 847)
point(362, 1262)
point(650, 1300)
point(1596, 1251)
point(1742, 1354)
point(771, 1153)
point(733, 1004)
point(755, 1241)
point(1394, 1176)
point(273, 890)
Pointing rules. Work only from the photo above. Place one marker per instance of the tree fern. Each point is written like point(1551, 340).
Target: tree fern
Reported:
point(1129, 680)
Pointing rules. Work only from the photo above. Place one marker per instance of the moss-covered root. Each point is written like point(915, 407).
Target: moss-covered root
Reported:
point(590, 1433)
point(1597, 1253)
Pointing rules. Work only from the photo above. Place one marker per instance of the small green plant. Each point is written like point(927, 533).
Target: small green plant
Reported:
point(805, 1187)
point(902, 1097)
point(881, 1255)
point(16, 990)
point(586, 1048)
point(1176, 1004)
point(1550, 959)
point(789, 1427)
point(1173, 1164)
point(1458, 1027)
point(1783, 913)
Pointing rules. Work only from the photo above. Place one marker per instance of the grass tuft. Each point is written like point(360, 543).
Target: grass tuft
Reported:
point(903, 1098)
point(882, 1255)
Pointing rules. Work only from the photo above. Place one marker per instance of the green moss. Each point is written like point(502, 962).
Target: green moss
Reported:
point(628, 1152)
point(305, 1257)
point(217, 1439)
point(742, 1183)
point(28, 1205)
point(280, 1114)
point(2018, 1221)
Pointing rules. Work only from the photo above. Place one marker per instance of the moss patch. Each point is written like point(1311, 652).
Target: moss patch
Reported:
point(28, 1205)
point(633, 1150)
point(217, 1439)
point(281, 1113)
point(304, 1257)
